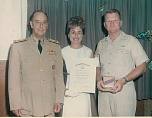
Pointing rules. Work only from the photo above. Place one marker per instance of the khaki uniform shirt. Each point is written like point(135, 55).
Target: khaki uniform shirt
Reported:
point(35, 80)
point(120, 57)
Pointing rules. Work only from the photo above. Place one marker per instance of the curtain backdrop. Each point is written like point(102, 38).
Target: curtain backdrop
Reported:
point(136, 16)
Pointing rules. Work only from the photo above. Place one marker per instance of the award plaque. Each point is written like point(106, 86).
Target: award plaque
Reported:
point(109, 81)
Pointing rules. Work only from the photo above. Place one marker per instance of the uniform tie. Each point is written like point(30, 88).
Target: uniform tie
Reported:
point(39, 46)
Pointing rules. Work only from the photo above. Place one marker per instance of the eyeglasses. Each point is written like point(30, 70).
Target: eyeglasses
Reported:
point(38, 23)
point(112, 21)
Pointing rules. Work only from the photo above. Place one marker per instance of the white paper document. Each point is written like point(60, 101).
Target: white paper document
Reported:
point(83, 75)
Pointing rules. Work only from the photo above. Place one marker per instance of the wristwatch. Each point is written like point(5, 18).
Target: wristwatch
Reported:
point(126, 79)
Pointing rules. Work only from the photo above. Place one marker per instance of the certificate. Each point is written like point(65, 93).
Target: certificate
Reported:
point(83, 75)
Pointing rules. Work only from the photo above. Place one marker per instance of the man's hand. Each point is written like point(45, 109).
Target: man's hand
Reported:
point(17, 112)
point(101, 87)
point(57, 107)
point(119, 85)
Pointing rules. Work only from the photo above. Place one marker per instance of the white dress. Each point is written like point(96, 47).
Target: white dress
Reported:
point(75, 104)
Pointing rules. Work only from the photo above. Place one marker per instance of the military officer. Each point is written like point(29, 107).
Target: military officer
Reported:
point(36, 86)
point(123, 59)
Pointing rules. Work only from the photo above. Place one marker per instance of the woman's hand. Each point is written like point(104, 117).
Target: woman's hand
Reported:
point(100, 85)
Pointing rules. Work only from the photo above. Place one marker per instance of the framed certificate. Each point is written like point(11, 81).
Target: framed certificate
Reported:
point(83, 75)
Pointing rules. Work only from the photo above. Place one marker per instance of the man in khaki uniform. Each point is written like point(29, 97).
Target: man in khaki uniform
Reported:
point(36, 86)
point(123, 58)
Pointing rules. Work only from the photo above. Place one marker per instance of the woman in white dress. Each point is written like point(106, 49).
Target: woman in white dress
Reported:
point(75, 103)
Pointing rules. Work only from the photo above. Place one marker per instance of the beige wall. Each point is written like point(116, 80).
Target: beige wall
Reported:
point(12, 23)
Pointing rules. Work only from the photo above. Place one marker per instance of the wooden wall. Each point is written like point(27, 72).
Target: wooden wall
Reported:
point(3, 93)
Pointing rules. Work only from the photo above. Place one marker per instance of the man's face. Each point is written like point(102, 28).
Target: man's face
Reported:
point(112, 22)
point(76, 35)
point(39, 25)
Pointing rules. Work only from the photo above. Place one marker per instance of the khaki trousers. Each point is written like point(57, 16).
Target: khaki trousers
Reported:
point(120, 104)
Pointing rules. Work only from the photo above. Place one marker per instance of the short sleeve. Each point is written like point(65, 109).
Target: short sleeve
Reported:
point(138, 53)
point(97, 53)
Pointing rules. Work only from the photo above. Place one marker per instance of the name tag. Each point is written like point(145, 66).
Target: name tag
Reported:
point(51, 52)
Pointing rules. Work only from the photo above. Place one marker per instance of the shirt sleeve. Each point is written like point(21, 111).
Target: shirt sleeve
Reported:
point(14, 79)
point(59, 80)
point(97, 54)
point(138, 53)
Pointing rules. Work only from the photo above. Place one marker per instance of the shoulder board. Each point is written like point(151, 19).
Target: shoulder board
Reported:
point(54, 41)
point(17, 41)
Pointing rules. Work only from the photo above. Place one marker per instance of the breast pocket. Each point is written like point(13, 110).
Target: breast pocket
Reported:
point(49, 61)
point(122, 56)
point(122, 52)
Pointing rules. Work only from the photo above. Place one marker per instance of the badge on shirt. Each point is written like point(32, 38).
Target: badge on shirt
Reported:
point(51, 52)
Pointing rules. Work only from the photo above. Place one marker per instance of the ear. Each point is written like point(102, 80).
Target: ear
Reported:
point(31, 24)
point(104, 24)
point(120, 23)
point(69, 36)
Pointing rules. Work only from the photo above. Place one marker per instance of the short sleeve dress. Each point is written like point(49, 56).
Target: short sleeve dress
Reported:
point(75, 104)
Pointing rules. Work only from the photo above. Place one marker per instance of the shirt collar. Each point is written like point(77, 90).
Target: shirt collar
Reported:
point(117, 39)
point(36, 40)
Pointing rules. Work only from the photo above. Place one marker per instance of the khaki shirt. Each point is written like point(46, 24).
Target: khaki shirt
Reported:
point(35, 80)
point(120, 57)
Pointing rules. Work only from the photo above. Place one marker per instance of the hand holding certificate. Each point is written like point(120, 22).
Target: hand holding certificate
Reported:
point(83, 75)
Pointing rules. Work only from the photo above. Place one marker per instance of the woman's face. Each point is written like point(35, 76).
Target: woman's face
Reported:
point(76, 35)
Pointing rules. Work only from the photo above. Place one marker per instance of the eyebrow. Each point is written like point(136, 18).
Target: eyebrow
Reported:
point(40, 20)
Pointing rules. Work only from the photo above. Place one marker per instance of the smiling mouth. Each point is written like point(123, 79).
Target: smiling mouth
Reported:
point(75, 39)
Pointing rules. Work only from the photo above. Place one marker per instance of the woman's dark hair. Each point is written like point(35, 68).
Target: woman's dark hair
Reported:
point(74, 22)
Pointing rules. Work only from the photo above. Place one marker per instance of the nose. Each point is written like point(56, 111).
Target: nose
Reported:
point(76, 34)
point(41, 25)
